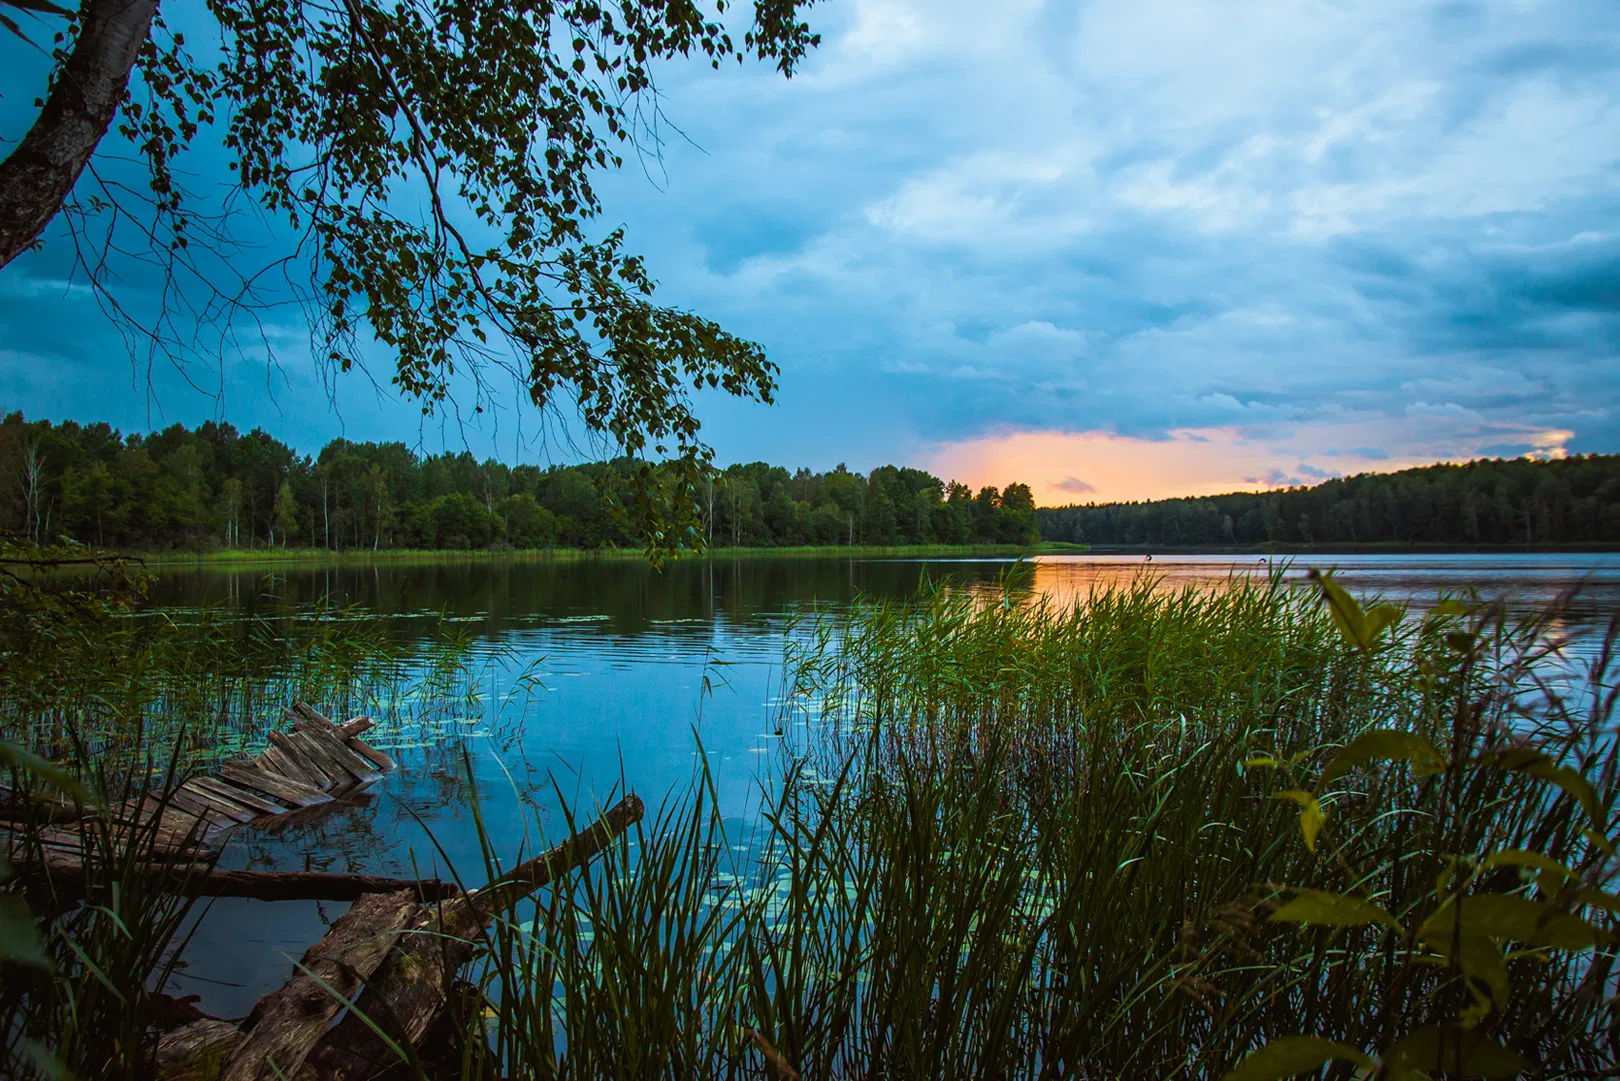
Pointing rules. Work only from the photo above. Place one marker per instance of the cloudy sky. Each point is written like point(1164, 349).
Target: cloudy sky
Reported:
point(1116, 249)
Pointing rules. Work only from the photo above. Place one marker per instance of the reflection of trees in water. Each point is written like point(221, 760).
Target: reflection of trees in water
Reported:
point(488, 599)
point(630, 593)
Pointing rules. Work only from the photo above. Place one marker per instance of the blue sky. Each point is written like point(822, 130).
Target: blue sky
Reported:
point(1114, 249)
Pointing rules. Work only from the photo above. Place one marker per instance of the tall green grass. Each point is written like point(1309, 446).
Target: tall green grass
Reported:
point(1013, 840)
point(1006, 839)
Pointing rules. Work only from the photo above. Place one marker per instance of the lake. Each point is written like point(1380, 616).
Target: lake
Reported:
point(597, 674)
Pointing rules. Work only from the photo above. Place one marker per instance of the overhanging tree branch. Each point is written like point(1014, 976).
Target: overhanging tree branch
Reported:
point(37, 176)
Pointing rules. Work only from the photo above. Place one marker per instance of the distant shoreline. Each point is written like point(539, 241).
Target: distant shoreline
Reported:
point(362, 556)
point(1375, 548)
point(322, 557)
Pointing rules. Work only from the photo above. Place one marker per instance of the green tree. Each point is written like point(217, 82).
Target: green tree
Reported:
point(445, 149)
point(285, 520)
point(528, 524)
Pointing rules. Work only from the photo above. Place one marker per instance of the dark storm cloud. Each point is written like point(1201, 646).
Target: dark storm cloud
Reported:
point(1349, 232)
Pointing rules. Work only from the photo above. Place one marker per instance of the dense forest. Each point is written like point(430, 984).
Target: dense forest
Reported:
point(1499, 502)
point(216, 487)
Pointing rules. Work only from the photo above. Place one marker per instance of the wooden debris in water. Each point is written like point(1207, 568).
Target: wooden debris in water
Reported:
point(393, 958)
point(315, 763)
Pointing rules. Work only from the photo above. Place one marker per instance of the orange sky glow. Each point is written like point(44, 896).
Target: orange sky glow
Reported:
point(1104, 467)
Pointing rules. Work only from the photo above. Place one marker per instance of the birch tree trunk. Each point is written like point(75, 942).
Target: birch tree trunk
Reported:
point(37, 176)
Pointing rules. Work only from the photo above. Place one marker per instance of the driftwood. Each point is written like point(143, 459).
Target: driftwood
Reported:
point(286, 1023)
point(409, 991)
point(394, 959)
point(200, 880)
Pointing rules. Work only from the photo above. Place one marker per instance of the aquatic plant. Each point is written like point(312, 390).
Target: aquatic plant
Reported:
point(1016, 841)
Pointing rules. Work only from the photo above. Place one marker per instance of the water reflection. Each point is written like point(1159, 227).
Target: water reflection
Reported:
point(634, 666)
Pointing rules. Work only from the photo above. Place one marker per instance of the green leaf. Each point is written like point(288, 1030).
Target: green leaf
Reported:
point(27, 762)
point(1360, 628)
point(1481, 960)
point(1520, 857)
point(1311, 818)
point(1460, 641)
point(1451, 606)
point(1460, 1051)
point(1333, 910)
point(1496, 915)
point(1292, 1055)
point(1600, 842)
point(20, 940)
point(1265, 760)
point(1562, 931)
point(1386, 745)
point(1508, 916)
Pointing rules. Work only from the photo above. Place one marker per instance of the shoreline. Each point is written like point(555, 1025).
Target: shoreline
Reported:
point(318, 557)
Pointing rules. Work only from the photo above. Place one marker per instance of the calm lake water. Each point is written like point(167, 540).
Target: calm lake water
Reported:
point(596, 674)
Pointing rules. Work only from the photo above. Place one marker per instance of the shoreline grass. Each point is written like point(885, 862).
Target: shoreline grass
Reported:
point(316, 557)
point(1009, 838)
point(1020, 841)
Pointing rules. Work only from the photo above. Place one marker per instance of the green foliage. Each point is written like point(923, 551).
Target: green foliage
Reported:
point(1574, 500)
point(1478, 936)
point(433, 169)
point(1294, 1055)
point(215, 486)
point(1010, 842)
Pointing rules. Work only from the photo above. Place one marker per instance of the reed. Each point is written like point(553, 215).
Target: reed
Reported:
point(1017, 841)
point(1006, 838)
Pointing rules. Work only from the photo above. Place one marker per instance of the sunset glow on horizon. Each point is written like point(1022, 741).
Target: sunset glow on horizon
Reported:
point(1105, 467)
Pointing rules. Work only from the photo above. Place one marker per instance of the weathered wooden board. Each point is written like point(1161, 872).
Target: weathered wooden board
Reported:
point(310, 766)
point(285, 1025)
point(293, 793)
point(252, 800)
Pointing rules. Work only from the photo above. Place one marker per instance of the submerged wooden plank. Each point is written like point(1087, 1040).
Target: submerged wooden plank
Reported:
point(276, 760)
point(230, 809)
point(317, 756)
point(294, 753)
point(297, 771)
point(225, 790)
point(362, 768)
point(313, 714)
point(182, 800)
point(295, 793)
point(372, 755)
point(355, 726)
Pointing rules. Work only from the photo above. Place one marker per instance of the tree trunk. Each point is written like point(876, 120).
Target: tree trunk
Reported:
point(38, 175)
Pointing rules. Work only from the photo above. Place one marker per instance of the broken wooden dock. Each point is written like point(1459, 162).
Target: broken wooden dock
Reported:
point(314, 763)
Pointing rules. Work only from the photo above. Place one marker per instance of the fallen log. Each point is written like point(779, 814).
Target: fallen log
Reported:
point(395, 960)
point(407, 994)
point(200, 880)
point(285, 1024)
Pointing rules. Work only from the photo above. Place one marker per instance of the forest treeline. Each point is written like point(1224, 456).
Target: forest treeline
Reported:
point(1573, 500)
point(215, 486)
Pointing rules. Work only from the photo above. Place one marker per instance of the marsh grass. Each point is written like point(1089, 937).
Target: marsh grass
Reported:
point(1012, 840)
point(1003, 839)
